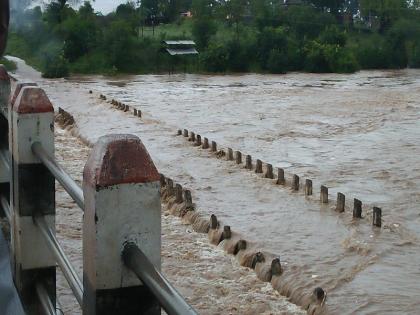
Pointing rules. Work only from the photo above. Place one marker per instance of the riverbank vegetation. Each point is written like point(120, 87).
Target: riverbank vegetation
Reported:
point(232, 36)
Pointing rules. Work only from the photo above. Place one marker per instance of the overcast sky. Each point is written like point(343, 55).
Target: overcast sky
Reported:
point(106, 6)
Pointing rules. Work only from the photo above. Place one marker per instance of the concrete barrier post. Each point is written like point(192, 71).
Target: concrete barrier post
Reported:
point(179, 132)
point(280, 177)
point(178, 193)
point(185, 133)
point(324, 194)
point(341, 201)
point(32, 193)
point(295, 182)
point(248, 162)
point(357, 209)
point(139, 113)
point(135, 112)
point(269, 171)
point(192, 137)
point(230, 154)
point(377, 216)
point(198, 141)
point(308, 187)
point(122, 204)
point(238, 157)
point(258, 167)
point(213, 146)
point(205, 143)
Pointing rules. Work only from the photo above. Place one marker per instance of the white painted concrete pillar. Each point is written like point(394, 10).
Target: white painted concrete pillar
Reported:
point(121, 186)
point(32, 192)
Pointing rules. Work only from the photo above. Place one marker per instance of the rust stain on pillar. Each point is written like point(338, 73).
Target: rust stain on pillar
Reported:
point(32, 100)
point(18, 88)
point(108, 164)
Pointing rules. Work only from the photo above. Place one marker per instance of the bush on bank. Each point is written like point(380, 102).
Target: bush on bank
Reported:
point(61, 40)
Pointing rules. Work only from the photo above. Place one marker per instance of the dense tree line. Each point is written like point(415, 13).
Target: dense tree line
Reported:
point(232, 36)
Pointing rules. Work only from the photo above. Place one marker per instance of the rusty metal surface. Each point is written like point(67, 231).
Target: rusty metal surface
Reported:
point(119, 159)
point(4, 24)
point(32, 100)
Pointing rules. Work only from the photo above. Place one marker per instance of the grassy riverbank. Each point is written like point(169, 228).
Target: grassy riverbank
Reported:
point(255, 36)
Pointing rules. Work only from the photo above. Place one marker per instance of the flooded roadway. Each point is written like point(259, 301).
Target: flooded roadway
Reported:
point(358, 134)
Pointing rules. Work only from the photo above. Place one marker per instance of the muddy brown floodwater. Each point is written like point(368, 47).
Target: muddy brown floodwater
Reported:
point(358, 134)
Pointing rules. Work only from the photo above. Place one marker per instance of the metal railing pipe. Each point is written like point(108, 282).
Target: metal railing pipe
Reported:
point(60, 174)
point(65, 265)
point(169, 298)
point(6, 207)
point(45, 300)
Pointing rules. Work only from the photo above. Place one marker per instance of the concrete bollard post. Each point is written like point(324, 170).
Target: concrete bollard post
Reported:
point(185, 133)
point(170, 186)
point(295, 182)
point(258, 167)
point(214, 224)
point(188, 200)
point(4, 89)
point(179, 133)
point(122, 205)
point(377, 217)
point(276, 269)
point(213, 146)
point(230, 154)
point(238, 157)
point(198, 141)
point(205, 143)
point(280, 177)
point(135, 112)
point(192, 137)
point(127, 108)
point(139, 114)
point(226, 234)
point(248, 162)
point(178, 194)
point(308, 187)
point(357, 209)
point(341, 202)
point(269, 172)
point(324, 194)
point(32, 193)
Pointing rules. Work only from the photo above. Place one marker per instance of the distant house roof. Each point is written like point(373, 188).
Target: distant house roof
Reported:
point(180, 47)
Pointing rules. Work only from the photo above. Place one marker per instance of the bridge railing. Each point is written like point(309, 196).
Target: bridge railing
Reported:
point(120, 197)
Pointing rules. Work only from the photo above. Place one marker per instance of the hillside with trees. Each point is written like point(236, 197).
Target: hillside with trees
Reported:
point(232, 36)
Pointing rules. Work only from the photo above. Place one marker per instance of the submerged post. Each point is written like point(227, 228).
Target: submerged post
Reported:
point(280, 177)
point(308, 187)
point(32, 193)
point(258, 167)
point(248, 162)
point(295, 182)
point(122, 205)
point(198, 141)
point(213, 146)
point(185, 133)
point(377, 216)
point(230, 154)
point(357, 209)
point(238, 157)
point(341, 200)
point(269, 171)
point(324, 194)
point(205, 143)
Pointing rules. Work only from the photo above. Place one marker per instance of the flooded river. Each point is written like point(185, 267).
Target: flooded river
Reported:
point(358, 134)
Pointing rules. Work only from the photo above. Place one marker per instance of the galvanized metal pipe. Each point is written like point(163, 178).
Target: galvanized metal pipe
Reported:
point(45, 300)
point(65, 266)
point(170, 300)
point(6, 207)
point(60, 174)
